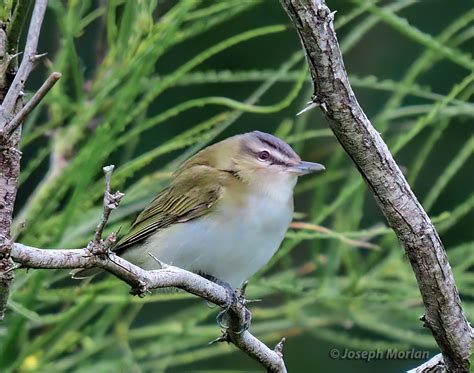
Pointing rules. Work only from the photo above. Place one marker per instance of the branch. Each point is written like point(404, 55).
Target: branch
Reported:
point(434, 365)
point(9, 154)
point(111, 202)
point(333, 94)
point(98, 254)
point(143, 281)
point(11, 126)
point(27, 63)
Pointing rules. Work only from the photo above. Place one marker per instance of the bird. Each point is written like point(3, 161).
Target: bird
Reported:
point(224, 213)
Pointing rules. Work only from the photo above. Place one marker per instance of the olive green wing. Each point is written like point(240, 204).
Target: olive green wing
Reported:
point(192, 194)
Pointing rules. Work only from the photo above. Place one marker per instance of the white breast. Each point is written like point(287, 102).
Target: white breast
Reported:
point(228, 244)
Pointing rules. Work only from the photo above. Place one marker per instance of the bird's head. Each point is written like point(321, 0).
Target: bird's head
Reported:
point(265, 155)
point(256, 157)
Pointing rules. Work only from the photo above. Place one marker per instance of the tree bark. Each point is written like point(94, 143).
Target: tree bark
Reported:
point(9, 171)
point(11, 103)
point(443, 313)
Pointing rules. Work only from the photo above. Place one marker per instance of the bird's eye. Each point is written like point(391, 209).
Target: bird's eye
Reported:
point(263, 155)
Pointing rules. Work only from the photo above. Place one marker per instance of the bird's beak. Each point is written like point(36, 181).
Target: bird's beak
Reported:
point(304, 168)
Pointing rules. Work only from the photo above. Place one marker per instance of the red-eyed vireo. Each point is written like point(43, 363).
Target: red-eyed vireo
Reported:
point(225, 212)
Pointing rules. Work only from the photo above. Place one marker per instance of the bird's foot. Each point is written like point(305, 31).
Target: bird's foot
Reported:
point(245, 323)
point(231, 299)
point(234, 297)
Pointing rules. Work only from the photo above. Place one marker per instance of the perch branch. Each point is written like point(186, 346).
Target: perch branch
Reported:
point(98, 254)
point(434, 365)
point(333, 94)
point(143, 281)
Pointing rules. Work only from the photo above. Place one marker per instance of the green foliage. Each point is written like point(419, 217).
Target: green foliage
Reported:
point(144, 87)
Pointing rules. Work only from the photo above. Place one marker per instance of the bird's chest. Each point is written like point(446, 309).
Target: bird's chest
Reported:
point(232, 242)
point(259, 215)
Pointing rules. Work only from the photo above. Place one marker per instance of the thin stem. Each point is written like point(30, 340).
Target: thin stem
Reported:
point(27, 62)
point(34, 101)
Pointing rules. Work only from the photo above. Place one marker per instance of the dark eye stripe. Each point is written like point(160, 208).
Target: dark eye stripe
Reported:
point(278, 161)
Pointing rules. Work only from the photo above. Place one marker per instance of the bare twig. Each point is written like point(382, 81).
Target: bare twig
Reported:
point(111, 202)
point(32, 103)
point(443, 313)
point(434, 365)
point(279, 347)
point(27, 63)
point(142, 281)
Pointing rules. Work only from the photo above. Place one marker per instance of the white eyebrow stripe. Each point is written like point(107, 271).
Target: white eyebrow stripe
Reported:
point(277, 157)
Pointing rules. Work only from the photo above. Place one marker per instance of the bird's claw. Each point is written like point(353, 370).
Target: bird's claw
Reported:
point(220, 319)
point(236, 297)
point(233, 298)
point(230, 300)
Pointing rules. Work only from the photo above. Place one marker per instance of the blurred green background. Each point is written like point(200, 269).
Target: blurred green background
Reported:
point(146, 84)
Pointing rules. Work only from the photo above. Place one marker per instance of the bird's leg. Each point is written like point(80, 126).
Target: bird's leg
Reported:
point(237, 297)
point(231, 298)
